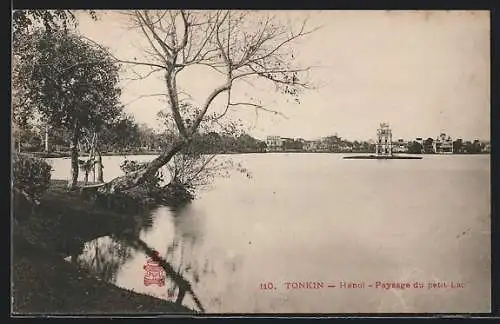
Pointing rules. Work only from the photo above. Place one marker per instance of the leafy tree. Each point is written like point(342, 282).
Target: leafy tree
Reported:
point(69, 82)
point(261, 146)
point(25, 138)
point(428, 148)
point(458, 145)
point(23, 20)
point(214, 142)
point(147, 137)
point(415, 148)
point(356, 146)
point(120, 136)
point(246, 143)
point(333, 142)
point(473, 147)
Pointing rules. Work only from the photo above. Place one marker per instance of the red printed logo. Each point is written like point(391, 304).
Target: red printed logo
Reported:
point(154, 273)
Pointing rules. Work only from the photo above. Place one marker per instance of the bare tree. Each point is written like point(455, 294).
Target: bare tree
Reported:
point(239, 45)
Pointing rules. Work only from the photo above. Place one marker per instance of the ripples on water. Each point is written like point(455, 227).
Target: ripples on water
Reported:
point(317, 217)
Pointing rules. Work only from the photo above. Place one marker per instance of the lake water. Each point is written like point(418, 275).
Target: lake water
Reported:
point(319, 218)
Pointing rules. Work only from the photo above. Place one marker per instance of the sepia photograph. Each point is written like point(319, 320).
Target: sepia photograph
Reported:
point(250, 162)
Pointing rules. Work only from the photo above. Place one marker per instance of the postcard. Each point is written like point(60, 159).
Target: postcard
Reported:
point(246, 161)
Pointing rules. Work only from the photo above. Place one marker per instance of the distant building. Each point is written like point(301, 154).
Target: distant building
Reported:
point(443, 144)
point(400, 146)
point(274, 143)
point(311, 146)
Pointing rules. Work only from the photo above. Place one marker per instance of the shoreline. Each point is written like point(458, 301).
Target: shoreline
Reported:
point(375, 157)
point(43, 282)
point(55, 155)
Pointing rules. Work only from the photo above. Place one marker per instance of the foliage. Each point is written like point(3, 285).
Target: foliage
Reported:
point(173, 193)
point(25, 137)
point(473, 147)
point(427, 147)
point(120, 136)
point(458, 146)
point(415, 148)
point(31, 175)
point(194, 170)
point(25, 21)
point(51, 19)
point(130, 166)
point(196, 165)
point(66, 80)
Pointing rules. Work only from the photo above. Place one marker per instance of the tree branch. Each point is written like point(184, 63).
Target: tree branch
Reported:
point(186, 32)
point(301, 33)
point(142, 77)
point(201, 168)
point(145, 96)
point(260, 107)
point(146, 21)
point(219, 42)
point(206, 105)
point(124, 61)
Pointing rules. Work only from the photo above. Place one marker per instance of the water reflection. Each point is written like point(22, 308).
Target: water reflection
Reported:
point(104, 257)
point(168, 236)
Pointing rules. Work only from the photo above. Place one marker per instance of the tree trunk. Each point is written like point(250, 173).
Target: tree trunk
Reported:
point(97, 161)
point(86, 180)
point(133, 179)
point(46, 139)
point(74, 157)
point(100, 176)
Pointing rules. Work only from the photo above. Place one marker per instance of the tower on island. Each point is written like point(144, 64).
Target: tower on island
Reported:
point(384, 140)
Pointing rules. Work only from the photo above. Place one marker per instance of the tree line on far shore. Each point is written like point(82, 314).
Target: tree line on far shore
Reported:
point(129, 137)
point(459, 147)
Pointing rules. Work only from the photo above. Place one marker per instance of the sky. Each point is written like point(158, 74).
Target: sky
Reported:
point(424, 73)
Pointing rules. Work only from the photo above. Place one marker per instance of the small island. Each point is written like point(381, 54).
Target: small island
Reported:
point(383, 147)
point(382, 157)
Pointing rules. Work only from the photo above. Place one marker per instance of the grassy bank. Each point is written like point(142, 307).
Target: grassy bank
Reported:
point(44, 283)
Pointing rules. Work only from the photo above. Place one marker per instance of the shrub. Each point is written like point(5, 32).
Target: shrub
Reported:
point(129, 166)
point(173, 194)
point(31, 175)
